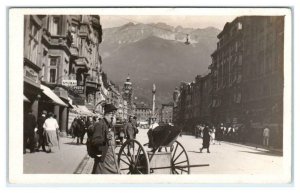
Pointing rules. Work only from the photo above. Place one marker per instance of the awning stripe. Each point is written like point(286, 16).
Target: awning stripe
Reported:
point(49, 93)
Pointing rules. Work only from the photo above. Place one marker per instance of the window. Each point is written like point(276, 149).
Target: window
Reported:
point(55, 27)
point(239, 26)
point(52, 76)
point(54, 62)
point(33, 42)
point(74, 36)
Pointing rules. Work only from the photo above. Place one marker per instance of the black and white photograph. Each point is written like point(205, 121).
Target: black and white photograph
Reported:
point(168, 94)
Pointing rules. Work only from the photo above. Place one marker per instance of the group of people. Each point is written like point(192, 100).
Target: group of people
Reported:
point(42, 132)
point(79, 127)
point(210, 134)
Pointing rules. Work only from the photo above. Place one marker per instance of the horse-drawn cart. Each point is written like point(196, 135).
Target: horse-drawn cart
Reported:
point(163, 154)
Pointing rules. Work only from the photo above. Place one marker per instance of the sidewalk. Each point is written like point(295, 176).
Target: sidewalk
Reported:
point(65, 160)
point(256, 146)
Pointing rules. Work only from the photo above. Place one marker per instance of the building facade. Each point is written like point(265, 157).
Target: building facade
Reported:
point(247, 70)
point(61, 55)
point(143, 112)
point(166, 113)
point(194, 103)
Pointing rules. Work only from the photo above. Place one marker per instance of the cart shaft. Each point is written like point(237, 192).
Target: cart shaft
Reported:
point(185, 166)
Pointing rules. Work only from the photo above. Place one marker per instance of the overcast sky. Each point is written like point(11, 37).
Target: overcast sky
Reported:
point(185, 21)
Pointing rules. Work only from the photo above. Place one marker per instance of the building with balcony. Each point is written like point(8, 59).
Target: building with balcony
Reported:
point(59, 50)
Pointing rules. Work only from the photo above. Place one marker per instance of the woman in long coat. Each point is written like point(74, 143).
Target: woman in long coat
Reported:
point(206, 139)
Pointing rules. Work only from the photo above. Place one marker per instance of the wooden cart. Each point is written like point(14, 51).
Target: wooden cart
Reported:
point(164, 154)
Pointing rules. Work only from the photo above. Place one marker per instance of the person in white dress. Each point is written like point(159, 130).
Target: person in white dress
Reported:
point(51, 132)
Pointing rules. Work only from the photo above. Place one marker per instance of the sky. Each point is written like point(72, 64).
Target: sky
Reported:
point(109, 21)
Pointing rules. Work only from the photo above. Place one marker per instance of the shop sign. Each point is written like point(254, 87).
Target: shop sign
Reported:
point(31, 74)
point(93, 85)
point(78, 89)
point(69, 83)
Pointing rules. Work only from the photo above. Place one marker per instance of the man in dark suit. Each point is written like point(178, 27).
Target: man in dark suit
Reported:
point(29, 126)
point(103, 140)
point(41, 131)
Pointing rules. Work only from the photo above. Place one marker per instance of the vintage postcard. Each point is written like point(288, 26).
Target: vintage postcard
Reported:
point(150, 95)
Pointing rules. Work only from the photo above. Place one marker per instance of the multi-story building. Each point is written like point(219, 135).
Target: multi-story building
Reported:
point(205, 115)
point(194, 103)
point(263, 69)
point(38, 66)
point(61, 55)
point(245, 84)
point(247, 70)
point(247, 74)
point(143, 112)
point(166, 113)
point(32, 62)
point(227, 73)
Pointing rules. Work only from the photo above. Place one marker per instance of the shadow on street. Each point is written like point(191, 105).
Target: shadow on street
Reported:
point(194, 151)
point(269, 153)
point(73, 143)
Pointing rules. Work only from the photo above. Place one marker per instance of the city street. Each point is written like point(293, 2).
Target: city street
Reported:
point(227, 158)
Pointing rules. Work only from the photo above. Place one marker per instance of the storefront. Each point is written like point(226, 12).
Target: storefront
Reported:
point(50, 102)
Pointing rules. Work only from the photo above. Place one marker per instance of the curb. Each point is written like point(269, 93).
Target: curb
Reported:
point(83, 167)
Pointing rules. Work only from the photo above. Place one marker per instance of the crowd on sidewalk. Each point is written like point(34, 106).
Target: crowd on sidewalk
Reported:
point(236, 134)
point(40, 133)
point(43, 132)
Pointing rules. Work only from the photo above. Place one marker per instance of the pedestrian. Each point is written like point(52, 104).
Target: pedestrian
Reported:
point(129, 128)
point(213, 135)
point(41, 131)
point(80, 130)
point(135, 126)
point(219, 133)
point(266, 136)
point(51, 132)
point(103, 140)
point(73, 127)
point(129, 132)
point(29, 127)
point(229, 132)
point(206, 139)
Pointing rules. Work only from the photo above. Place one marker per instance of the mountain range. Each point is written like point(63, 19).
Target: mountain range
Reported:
point(156, 53)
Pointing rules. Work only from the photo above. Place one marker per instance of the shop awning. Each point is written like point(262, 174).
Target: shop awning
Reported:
point(84, 111)
point(49, 93)
point(25, 99)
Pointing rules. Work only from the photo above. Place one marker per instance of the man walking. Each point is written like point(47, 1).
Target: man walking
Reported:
point(41, 131)
point(29, 126)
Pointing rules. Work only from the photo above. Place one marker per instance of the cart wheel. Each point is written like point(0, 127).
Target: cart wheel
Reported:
point(180, 161)
point(133, 159)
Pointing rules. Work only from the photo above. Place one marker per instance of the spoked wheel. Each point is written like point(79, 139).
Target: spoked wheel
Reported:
point(179, 161)
point(133, 159)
